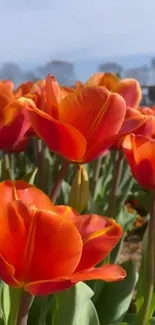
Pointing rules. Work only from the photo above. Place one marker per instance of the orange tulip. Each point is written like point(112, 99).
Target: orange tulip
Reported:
point(140, 121)
point(147, 115)
point(23, 89)
point(82, 125)
point(140, 154)
point(14, 119)
point(46, 248)
point(129, 89)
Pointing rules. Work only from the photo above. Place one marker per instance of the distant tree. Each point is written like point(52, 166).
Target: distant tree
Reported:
point(62, 70)
point(153, 63)
point(10, 71)
point(111, 67)
point(142, 74)
point(29, 75)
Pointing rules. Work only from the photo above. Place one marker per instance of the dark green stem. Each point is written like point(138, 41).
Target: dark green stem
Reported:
point(15, 296)
point(96, 172)
point(25, 303)
point(40, 162)
point(7, 168)
point(150, 271)
point(56, 189)
point(115, 185)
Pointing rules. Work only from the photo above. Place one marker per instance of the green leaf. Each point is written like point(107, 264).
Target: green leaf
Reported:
point(142, 274)
point(89, 315)
point(141, 286)
point(114, 255)
point(115, 298)
point(124, 323)
point(74, 307)
point(65, 190)
point(126, 219)
point(10, 299)
point(39, 309)
point(1, 309)
point(30, 177)
point(1, 321)
point(144, 199)
point(6, 172)
point(131, 318)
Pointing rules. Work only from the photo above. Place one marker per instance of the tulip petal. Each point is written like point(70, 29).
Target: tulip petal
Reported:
point(110, 122)
point(140, 153)
point(127, 149)
point(132, 112)
point(59, 137)
point(7, 273)
point(43, 236)
point(130, 90)
point(48, 287)
point(86, 224)
point(4, 101)
point(107, 131)
point(6, 89)
point(106, 272)
point(83, 108)
point(54, 240)
point(99, 234)
point(53, 94)
point(65, 91)
point(132, 124)
point(23, 89)
point(100, 148)
point(15, 123)
point(15, 220)
point(107, 80)
point(9, 84)
point(95, 79)
point(98, 245)
point(142, 147)
point(20, 190)
point(79, 85)
point(147, 128)
point(21, 146)
point(146, 110)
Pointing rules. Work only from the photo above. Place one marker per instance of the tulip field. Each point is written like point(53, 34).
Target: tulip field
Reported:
point(77, 181)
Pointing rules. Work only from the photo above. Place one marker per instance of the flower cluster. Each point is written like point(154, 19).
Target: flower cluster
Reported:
point(46, 247)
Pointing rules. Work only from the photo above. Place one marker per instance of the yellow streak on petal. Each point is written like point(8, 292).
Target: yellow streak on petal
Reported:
point(98, 234)
point(14, 193)
point(99, 116)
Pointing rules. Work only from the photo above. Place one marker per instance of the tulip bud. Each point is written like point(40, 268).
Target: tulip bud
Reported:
point(79, 194)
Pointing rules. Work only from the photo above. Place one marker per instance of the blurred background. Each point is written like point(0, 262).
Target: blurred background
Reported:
point(73, 39)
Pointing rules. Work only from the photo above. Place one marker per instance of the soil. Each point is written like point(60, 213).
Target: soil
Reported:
point(132, 249)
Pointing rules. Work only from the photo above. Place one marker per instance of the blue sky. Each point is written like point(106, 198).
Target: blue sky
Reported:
point(34, 31)
point(76, 28)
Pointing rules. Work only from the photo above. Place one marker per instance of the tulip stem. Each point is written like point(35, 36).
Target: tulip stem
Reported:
point(96, 167)
point(150, 271)
point(7, 169)
point(15, 296)
point(56, 189)
point(40, 161)
point(25, 303)
point(118, 166)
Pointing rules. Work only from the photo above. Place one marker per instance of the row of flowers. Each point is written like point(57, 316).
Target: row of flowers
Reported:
point(45, 248)
point(61, 115)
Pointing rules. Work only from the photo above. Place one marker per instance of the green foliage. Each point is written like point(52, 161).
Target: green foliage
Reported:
point(10, 298)
point(115, 298)
point(74, 306)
